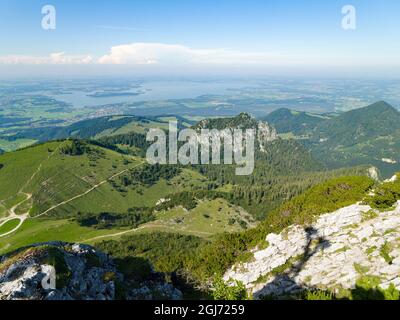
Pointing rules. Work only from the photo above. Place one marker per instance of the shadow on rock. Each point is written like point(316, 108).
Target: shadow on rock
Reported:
point(284, 284)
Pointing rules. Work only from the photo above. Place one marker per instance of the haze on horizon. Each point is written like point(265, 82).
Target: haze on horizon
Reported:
point(153, 38)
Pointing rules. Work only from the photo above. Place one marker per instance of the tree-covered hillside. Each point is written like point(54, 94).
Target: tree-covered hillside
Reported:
point(90, 128)
point(299, 123)
point(368, 135)
point(201, 262)
point(359, 125)
point(365, 136)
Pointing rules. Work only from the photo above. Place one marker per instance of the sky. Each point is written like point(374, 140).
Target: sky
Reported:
point(288, 37)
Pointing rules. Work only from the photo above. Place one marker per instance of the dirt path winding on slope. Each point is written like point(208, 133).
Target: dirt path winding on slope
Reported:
point(11, 212)
point(12, 215)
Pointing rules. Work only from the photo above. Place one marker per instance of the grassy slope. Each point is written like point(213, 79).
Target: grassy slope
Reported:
point(133, 126)
point(17, 144)
point(43, 230)
point(3, 211)
point(134, 197)
point(19, 166)
point(9, 225)
point(208, 218)
point(58, 177)
point(53, 178)
point(66, 177)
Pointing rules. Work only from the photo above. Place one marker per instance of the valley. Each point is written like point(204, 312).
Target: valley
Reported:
point(28, 106)
point(204, 151)
point(88, 182)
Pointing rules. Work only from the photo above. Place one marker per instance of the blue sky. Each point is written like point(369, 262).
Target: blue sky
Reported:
point(271, 34)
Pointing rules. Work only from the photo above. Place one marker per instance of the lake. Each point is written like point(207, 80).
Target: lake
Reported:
point(153, 90)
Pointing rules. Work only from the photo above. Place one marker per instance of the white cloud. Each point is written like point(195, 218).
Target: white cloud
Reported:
point(175, 54)
point(61, 58)
point(54, 58)
point(146, 53)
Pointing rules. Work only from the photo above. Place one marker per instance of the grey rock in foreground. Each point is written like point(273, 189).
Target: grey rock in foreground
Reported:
point(62, 271)
point(333, 253)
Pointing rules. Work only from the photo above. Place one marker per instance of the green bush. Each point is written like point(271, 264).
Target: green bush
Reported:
point(391, 293)
point(385, 252)
point(106, 220)
point(385, 195)
point(233, 290)
point(74, 148)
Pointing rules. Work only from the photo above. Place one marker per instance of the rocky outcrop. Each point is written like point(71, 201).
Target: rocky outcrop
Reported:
point(62, 271)
point(373, 173)
point(58, 271)
point(333, 253)
point(265, 135)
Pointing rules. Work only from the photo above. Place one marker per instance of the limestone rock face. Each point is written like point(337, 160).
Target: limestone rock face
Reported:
point(265, 135)
point(334, 252)
point(58, 271)
point(62, 271)
point(373, 173)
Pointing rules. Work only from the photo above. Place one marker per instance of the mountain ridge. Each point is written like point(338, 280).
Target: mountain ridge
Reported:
point(297, 122)
point(358, 125)
point(368, 135)
point(350, 253)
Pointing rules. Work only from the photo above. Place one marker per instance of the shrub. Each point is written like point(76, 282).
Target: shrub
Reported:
point(385, 195)
point(233, 290)
point(385, 252)
point(369, 215)
point(391, 293)
point(74, 148)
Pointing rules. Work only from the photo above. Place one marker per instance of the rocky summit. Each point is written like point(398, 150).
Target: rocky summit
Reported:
point(338, 251)
point(62, 271)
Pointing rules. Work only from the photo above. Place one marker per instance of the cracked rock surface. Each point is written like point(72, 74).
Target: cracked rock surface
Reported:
point(331, 254)
point(63, 271)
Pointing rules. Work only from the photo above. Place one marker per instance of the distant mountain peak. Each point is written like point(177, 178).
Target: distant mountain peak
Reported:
point(244, 116)
point(265, 133)
point(381, 105)
point(378, 110)
point(297, 122)
point(282, 111)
